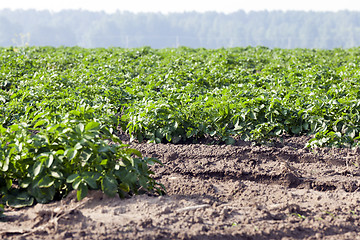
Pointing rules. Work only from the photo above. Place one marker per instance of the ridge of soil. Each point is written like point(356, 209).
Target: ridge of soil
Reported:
point(283, 191)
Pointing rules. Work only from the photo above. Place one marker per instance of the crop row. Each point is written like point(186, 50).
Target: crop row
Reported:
point(181, 95)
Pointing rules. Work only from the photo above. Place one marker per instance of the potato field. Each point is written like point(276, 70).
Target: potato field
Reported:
point(179, 143)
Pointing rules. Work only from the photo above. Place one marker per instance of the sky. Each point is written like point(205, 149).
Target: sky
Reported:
point(168, 6)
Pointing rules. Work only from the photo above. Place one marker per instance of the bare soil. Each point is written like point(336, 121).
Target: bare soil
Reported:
point(282, 191)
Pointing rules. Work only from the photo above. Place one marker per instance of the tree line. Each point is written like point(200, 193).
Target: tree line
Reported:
point(274, 29)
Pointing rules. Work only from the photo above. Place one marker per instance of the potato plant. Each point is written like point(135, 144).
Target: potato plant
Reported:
point(50, 154)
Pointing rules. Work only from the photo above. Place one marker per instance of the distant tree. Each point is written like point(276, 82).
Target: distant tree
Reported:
point(9, 32)
point(291, 29)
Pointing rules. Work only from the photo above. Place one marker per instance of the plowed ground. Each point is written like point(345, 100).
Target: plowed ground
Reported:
point(282, 191)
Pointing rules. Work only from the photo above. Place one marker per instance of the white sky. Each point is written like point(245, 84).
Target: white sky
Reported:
point(166, 6)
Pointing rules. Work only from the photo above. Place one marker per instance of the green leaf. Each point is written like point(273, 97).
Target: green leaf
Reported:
point(71, 153)
point(38, 116)
point(230, 141)
point(2, 130)
point(91, 182)
point(5, 164)
point(143, 182)
point(20, 200)
point(124, 187)
point(9, 183)
point(77, 182)
point(82, 191)
point(45, 182)
point(109, 185)
point(86, 155)
point(49, 161)
point(60, 152)
point(78, 146)
point(92, 126)
point(25, 182)
point(104, 148)
point(75, 112)
point(14, 128)
point(80, 128)
point(1, 210)
point(104, 162)
point(253, 115)
point(39, 123)
point(168, 136)
point(52, 128)
point(42, 195)
point(72, 178)
point(37, 168)
point(133, 151)
point(56, 174)
point(296, 129)
point(129, 178)
point(90, 179)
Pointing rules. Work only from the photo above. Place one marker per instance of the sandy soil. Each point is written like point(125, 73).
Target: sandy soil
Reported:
point(283, 191)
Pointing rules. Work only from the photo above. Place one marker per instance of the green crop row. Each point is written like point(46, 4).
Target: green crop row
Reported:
point(183, 94)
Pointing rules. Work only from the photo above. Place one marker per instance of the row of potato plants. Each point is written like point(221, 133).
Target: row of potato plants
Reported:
point(58, 134)
point(160, 95)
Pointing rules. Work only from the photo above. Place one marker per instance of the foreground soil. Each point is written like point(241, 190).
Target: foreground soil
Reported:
point(282, 191)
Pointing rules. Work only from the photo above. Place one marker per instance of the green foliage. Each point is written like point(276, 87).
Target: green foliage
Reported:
point(1, 211)
point(51, 154)
point(183, 95)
